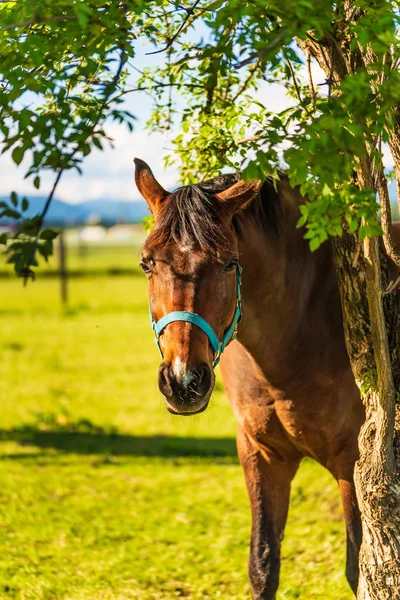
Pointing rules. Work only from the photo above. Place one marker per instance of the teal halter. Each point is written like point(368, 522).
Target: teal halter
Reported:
point(189, 317)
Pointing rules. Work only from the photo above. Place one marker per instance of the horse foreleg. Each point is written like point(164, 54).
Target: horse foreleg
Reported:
point(268, 483)
point(353, 528)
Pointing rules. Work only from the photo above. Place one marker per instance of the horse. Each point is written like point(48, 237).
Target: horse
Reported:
point(225, 260)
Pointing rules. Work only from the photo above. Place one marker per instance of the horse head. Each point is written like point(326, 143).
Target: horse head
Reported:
point(191, 260)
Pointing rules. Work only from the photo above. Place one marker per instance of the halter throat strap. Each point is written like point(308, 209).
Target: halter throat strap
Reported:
point(189, 317)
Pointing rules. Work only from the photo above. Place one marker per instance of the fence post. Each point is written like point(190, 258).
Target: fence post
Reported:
point(62, 267)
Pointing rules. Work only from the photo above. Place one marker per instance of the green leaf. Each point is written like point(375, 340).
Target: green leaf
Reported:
point(301, 222)
point(12, 214)
point(36, 182)
point(81, 15)
point(46, 249)
point(25, 204)
point(14, 199)
point(353, 226)
point(370, 230)
point(326, 190)
point(315, 244)
point(14, 258)
point(48, 234)
point(148, 223)
point(18, 154)
point(97, 143)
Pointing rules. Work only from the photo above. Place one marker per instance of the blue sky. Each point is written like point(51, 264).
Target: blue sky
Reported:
point(109, 174)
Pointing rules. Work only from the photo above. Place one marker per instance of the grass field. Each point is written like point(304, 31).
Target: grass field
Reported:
point(103, 494)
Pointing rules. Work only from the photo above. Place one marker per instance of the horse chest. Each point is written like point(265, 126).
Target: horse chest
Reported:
point(282, 427)
point(310, 414)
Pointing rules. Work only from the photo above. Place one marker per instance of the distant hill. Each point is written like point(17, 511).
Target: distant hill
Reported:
point(107, 212)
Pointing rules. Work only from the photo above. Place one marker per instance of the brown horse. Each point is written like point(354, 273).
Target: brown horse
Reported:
point(288, 375)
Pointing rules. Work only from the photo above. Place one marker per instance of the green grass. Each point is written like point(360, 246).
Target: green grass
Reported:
point(103, 494)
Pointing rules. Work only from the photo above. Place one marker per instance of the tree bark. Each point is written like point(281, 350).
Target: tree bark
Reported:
point(371, 354)
point(376, 473)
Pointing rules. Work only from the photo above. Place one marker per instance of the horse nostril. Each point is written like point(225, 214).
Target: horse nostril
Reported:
point(164, 380)
point(201, 381)
point(185, 390)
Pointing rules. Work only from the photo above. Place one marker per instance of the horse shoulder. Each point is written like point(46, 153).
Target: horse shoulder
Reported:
point(394, 270)
point(396, 234)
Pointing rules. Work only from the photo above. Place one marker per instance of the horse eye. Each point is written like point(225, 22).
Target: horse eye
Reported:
point(147, 266)
point(231, 264)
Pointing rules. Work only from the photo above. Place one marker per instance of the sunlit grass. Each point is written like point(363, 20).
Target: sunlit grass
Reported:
point(103, 494)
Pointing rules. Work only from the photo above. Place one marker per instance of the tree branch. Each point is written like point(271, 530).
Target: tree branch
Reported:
point(296, 85)
point(26, 272)
point(310, 80)
point(187, 21)
point(246, 82)
point(386, 221)
point(37, 21)
point(338, 49)
point(160, 85)
point(253, 138)
point(264, 51)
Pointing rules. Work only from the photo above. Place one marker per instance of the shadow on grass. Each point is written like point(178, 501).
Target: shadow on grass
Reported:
point(116, 444)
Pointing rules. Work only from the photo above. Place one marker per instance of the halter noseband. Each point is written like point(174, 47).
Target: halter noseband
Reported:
point(189, 317)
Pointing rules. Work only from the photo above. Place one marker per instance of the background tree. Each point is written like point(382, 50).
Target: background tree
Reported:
point(71, 56)
point(62, 68)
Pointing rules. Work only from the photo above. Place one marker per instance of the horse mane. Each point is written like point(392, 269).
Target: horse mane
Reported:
point(191, 217)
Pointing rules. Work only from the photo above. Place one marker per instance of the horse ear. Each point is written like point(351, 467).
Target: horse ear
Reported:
point(148, 186)
point(239, 195)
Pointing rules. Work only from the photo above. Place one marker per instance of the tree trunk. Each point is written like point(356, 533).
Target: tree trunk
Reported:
point(376, 473)
point(372, 332)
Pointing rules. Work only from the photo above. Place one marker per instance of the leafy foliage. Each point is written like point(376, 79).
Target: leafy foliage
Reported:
point(27, 238)
point(326, 134)
point(63, 65)
point(148, 223)
point(64, 73)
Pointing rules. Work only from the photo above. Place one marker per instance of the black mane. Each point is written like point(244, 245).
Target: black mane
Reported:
point(191, 217)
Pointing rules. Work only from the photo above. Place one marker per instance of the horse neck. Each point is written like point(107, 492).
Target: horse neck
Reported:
point(291, 303)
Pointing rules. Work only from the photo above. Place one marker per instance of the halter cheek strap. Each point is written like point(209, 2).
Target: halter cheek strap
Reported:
point(189, 317)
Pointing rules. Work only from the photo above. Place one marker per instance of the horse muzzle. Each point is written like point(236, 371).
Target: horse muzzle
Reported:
point(186, 392)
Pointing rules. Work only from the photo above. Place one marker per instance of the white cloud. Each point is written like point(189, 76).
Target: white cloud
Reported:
point(110, 174)
point(106, 174)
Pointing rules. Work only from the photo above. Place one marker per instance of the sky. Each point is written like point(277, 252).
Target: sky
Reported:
point(109, 174)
